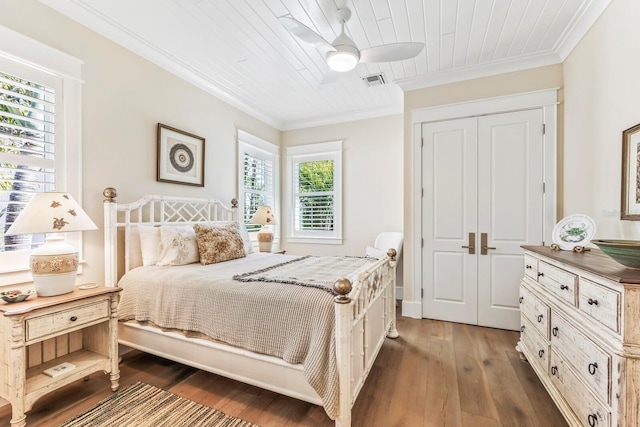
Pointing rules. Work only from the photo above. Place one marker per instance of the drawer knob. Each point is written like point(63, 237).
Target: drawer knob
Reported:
point(554, 331)
point(520, 300)
point(592, 301)
point(540, 274)
point(593, 420)
point(522, 328)
point(540, 317)
point(592, 368)
point(73, 318)
point(564, 287)
point(541, 353)
point(528, 267)
point(554, 370)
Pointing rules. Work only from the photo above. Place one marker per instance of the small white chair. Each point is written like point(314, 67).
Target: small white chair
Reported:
point(389, 239)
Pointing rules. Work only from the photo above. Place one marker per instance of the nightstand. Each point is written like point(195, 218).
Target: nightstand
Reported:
point(78, 328)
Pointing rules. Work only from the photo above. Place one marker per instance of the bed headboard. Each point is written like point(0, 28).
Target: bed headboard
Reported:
point(121, 243)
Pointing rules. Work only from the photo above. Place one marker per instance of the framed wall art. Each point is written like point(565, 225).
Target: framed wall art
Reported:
point(631, 174)
point(180, 156)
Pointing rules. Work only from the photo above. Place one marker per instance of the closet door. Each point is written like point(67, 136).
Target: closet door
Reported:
point(483, 194)
point(510, 210)
point(449, 175)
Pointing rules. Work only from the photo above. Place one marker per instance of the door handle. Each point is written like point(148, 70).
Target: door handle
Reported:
point(483, 244)
point(472, 244)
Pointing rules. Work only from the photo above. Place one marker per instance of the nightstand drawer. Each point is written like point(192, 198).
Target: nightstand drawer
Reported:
point(38, 327)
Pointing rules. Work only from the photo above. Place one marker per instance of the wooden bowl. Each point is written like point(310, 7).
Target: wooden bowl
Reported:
point(625, 252)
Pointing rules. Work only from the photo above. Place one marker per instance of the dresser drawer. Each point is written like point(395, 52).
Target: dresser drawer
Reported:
point(584, 404)
point(537, 346)
point(41, 326)
point(590, 362)
point(531, 267)
point(535, 311)
point(560, 282)
point(601, 303)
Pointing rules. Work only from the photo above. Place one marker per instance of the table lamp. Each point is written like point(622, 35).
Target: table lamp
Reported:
point(264, 216)
point(53, 265)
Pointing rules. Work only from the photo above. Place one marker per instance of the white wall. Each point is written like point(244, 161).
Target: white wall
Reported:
point(372, 181)
point(123, 99)
point(602, 99)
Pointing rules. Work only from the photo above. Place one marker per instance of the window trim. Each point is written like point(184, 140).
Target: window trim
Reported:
point(22, 51)
point(259, 146)
point(326, 151)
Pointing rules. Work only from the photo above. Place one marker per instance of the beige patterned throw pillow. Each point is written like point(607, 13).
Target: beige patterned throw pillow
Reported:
point(217, 243)
point(178, 246)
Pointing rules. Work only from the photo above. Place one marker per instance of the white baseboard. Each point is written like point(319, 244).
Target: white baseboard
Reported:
point(412, 309)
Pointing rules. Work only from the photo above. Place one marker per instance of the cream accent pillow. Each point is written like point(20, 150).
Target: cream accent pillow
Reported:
point(149, 244)
point(244, 234)
point(178, 246)
point(217, 243)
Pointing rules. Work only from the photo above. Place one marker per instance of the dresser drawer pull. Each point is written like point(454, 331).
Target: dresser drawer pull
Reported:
point(592, 301)
point(564, 287)
point(520, 300)
point(528, 267)
point(522, 328)
point(554, 370)
point(592, 368)
point(593, 420)
point(554, 331)
point(540, 274)
point(541, 353)
point(540, 317)
point(73, 318)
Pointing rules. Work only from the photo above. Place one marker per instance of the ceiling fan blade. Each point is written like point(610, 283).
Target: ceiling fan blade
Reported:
point(391, 52)
point(306, 34)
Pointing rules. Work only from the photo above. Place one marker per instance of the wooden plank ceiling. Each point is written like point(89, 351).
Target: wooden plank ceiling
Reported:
point(240, 52)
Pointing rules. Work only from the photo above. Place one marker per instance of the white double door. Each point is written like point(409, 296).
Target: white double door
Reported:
point(483, 198)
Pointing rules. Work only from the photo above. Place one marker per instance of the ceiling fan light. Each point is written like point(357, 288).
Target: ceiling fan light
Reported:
point(342, 61)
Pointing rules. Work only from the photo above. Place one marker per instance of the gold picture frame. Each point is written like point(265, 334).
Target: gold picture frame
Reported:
point(630, 206)
point(180, 157)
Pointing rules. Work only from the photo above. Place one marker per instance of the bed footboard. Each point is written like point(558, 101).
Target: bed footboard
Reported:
point(365, 315)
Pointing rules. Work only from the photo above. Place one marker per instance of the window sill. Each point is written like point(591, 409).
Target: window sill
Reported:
point(316, 240)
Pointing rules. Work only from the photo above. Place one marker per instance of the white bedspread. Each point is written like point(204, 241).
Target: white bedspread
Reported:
point(295, 323)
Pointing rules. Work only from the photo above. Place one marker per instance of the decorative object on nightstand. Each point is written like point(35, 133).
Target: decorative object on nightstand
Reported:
point(264, 216)
point(54, 265)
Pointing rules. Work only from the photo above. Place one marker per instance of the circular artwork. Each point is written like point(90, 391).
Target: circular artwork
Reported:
point(574, 230)
point(181, 158)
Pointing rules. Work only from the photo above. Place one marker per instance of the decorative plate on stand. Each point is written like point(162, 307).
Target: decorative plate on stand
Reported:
point(574, 230)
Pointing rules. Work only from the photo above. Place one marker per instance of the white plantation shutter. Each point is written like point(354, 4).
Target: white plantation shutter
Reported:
point(314, 177)
point(27, 150)
point(258, 176)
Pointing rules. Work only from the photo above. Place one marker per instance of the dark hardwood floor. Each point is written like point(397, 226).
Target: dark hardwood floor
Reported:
point(435, 374)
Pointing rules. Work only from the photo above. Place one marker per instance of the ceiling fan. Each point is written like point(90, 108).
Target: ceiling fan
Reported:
point(342, 55)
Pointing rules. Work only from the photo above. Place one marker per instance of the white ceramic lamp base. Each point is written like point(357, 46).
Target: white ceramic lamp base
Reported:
point(265, 241)
point(54, 266)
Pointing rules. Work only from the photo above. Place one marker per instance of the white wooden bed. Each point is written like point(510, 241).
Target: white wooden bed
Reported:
point(365, 310)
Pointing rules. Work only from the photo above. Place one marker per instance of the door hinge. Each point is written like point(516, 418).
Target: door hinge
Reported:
point(422, 243)
point(422, 191)
point(421, 292)
point(421, 142)
point(544, 188)
point(544, 129)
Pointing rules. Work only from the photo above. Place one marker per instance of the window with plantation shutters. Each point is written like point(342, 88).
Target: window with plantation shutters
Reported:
point(314, 175)
point(40, 134)
point(258, 176)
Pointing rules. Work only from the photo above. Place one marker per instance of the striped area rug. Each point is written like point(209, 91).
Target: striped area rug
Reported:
point(143, 405)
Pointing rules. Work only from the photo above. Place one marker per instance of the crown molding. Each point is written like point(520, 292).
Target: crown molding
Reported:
point(580, 27)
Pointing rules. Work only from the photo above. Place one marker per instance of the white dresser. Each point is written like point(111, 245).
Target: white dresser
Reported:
point(580, 331)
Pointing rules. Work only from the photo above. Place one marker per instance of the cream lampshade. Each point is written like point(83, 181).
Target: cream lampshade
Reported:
point(54, 265)
point(264, 216)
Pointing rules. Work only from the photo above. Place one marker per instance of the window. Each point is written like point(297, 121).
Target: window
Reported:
point(258, 176)
point(39, 138)
point(315, 179)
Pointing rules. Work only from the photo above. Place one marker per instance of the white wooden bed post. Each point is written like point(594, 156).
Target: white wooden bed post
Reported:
point(344, 326)
point(110, 236)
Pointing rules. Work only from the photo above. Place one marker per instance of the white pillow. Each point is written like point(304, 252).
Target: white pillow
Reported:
point(246, 240)
point(149, 244)
point(372, 252)
point(178, 246)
